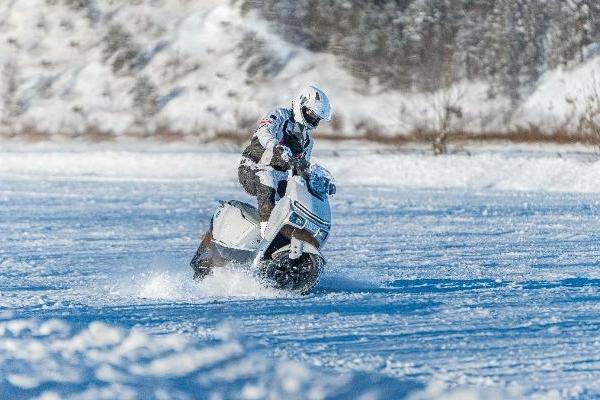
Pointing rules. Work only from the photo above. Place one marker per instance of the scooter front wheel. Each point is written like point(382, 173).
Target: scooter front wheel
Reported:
point(299, 275)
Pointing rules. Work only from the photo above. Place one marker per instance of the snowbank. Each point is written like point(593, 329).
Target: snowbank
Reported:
point(540, 170)
point(52, 359)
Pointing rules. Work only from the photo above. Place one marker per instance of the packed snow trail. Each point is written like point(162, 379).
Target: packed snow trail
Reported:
point(426, 291)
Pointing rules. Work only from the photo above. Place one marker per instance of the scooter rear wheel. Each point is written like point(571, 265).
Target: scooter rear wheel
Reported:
point(202, 263)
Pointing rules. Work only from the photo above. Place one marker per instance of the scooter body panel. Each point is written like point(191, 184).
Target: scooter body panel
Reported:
point(231, 229)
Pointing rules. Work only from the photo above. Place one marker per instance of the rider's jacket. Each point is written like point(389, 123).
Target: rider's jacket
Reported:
point(277, 128)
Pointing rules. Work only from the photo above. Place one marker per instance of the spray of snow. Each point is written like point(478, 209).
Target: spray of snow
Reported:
point(167, 280)
point(227, 282)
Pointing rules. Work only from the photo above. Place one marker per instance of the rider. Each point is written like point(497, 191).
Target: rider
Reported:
point(281, 135)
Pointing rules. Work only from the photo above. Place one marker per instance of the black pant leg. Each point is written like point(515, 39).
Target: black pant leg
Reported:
point(266, 201)
point(248, 179)
point(265, 195)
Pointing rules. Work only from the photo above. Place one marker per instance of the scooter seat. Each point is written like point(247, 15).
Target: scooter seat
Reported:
point(248, 211)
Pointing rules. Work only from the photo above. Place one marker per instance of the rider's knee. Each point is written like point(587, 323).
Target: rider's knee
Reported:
point(265, 196)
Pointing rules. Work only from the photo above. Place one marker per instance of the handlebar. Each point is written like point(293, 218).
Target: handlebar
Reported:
point(300, 167)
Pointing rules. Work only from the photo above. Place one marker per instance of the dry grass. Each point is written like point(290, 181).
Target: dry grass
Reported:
point(530, 136)
point(518, 136)
point(239, 138)
point(97, 136)
point(32, 135)
point(167, 135)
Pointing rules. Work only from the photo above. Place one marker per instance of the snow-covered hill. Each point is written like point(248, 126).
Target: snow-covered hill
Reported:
point(203, 68)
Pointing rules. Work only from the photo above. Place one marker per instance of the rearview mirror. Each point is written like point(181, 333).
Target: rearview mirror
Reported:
point(332, 189)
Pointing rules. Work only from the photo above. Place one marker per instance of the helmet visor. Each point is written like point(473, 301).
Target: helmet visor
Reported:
point(310, 117)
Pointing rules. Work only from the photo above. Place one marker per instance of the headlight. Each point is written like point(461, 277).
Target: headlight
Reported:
point(322, 235)
point(320, 180)
point(319, 184)
point(297, 219)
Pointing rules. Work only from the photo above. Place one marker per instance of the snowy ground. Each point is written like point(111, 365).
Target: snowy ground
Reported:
point(455, 277)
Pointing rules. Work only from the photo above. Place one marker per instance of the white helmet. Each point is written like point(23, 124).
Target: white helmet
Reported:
point(311, 106)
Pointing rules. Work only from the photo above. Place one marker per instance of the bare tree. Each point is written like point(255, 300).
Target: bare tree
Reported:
point(589, 121)
point(441, 139)
point(447, 112)
point(145, 103)
point(11, 108)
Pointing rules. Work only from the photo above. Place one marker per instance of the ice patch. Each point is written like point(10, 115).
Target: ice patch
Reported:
point(340, 283)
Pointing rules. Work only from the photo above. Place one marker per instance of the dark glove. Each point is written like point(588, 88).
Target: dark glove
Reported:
point(303, 165)
point(282, 156)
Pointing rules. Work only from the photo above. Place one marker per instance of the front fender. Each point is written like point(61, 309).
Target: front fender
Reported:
point(306, 248)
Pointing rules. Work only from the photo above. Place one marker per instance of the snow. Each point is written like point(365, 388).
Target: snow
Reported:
point(175, 285)
point(128, 366)
point(552, 169)
point(452, 277)
point(560, 97)
point(68, 81)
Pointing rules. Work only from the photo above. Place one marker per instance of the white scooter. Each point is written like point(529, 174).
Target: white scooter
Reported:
point(289, 256)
